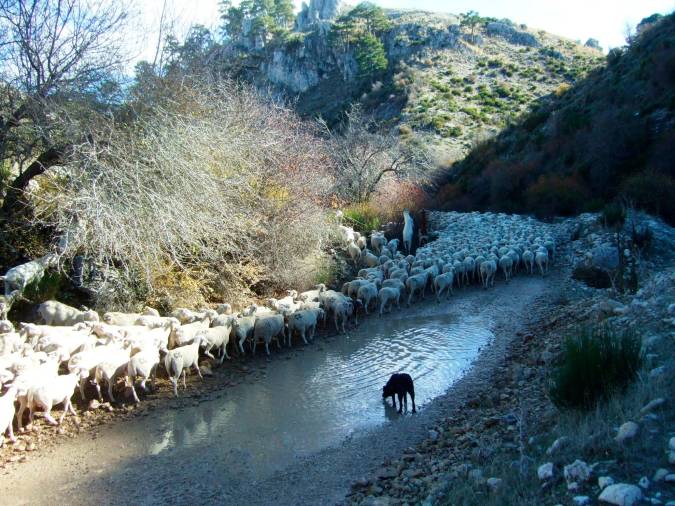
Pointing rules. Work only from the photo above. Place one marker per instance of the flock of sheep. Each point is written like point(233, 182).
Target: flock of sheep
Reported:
point(472, 248)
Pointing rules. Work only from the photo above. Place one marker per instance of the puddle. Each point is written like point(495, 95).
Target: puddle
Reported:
point(325, 393)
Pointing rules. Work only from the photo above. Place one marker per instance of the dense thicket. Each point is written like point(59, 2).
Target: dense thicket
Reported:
point(609, 136)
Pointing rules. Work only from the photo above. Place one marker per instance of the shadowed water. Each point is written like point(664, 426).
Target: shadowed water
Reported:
point(326, 392)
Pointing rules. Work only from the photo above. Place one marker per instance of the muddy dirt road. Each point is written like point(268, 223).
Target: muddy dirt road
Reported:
point(300, 431)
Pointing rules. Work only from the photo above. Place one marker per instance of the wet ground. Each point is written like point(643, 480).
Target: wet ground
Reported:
point(298, 432)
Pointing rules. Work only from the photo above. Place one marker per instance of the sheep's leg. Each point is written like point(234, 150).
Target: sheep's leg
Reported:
point(98, 391)
point(10, 434)
point(82, 381)
point(224, 354)
point(199, 373)
point(48, 416)
point(71, 408)
point(174, 383)
point(184, 375)
point(241, 345)
point(208, 353)
point(110, 390)
point(65, 410)
point(19, 415)
point(267, 348)
point(133, 390)
point(304, 339)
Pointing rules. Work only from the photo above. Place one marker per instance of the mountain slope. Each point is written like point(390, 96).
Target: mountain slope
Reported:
point(608, 136)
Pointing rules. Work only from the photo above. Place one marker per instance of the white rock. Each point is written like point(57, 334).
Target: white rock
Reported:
point(605, 481)
point(644, 482)
point(660, 474)
point(545, 471)
point(577, 471)
point(657, 372)
point(433, 434)
point(627, 431)
point(671, 443)
point(557, 445)
point(671, 457)
point(581, 500)
point(621, 494)
point(670, 478)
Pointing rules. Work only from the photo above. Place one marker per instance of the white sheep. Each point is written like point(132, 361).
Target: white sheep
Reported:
point(528, 260)
point(179, 360)
point(54, 312)
point(368, 259)
point(407, 230)
point(387, 296)
point(312, 295)
point(7, 415)
point(541, 259)
point(121, 319)
point(154, 322)
point(506, 265)
point(443, 282)
point(354, 252)
point(57, 391)
point(416, 283)
point(19, 277)
point(268, 328)
point(392, 246)
point(144, 365)
point(488, 269)
point(303, 321)
point(224, 309)
point(113, 365)
point(216, 338)
point(243, 330)
point(377, 241)
point(367, 293)
point(186, 333)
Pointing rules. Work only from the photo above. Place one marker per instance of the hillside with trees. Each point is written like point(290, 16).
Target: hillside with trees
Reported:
point(609, 137)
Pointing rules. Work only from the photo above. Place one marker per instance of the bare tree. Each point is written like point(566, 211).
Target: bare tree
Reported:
point(51, 48)
point(363, 156)
point(220, 184)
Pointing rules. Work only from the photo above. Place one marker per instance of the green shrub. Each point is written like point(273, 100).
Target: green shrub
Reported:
point(613, 215)
point(363, 217)
point(597, 363)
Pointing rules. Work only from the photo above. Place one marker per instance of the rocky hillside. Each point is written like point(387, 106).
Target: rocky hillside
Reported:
point(608, 136)
point(445, 79)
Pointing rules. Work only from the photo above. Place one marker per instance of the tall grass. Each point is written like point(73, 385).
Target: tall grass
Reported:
point(598, 362)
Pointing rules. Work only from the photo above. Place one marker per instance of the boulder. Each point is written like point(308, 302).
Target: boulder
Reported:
point(605, 481)
point(577, 472)
point(627, 432)
point(545, 471)
point(621, 494)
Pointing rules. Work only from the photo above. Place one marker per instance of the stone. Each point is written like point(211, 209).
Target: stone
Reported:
point(671, 457)
point(557, 445)
point(644, 482)
point(605, 481)
point(621, 494)
point(670, 478)
point(205, 370)
point(660, 475)
point(671, 443)
point(494, 483)
point(545, 471)
point(577, 471)
point(627, 431)
point(652, 405)
point(433, 435)
point(93, 404)
point(657, 372)
point(581, 500)
point(511, 34)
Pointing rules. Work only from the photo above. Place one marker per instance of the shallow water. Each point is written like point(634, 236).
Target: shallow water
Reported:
point(325, 392)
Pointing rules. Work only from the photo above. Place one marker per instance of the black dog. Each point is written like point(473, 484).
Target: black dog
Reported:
point(400, 384)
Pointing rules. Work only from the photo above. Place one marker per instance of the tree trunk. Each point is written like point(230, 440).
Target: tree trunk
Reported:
point(49, 158)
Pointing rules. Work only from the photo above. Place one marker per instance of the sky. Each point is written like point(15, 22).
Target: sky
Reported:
point(604, 20)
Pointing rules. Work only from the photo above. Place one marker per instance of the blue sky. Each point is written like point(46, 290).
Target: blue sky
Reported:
point(575, 19)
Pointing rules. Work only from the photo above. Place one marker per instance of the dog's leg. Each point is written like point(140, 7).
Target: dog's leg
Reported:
point(400, 403)
point(393, 399)
point(412, 396)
